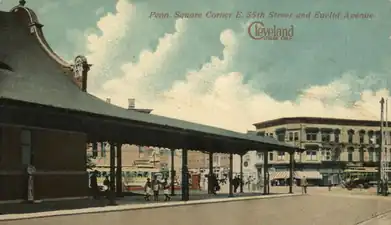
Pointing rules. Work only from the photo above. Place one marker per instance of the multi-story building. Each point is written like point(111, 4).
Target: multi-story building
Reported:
point(131, 154)
point(253, 165)
point(199, 162)
point(331, 144)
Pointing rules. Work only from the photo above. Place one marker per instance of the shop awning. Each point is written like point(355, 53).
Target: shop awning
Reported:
point(279, 175)
point(308, 174)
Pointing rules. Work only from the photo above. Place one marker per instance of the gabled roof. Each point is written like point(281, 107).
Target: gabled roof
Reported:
point(39, 76)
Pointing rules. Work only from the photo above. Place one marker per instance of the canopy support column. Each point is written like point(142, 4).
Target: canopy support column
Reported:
point(119, 182)
point(241, 173)
point(291, 169)
point(112, 175)
point(173, 173)
point(231, 172)
point(185, 176)
point(265, 173)
point(210, 185)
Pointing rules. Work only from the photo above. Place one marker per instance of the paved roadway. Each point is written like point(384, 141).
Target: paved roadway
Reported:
point(381, 220)
point(320, 207)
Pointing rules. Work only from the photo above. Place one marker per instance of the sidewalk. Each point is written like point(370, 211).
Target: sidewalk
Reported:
point(135, 204)
point(20, 208)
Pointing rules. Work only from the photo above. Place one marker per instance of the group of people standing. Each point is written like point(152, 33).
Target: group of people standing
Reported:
point(95, 187)
point(152, 188)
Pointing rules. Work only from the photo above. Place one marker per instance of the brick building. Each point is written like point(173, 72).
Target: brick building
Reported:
point(331, 144)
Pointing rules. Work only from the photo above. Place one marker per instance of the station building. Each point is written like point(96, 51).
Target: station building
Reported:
point(47, 119)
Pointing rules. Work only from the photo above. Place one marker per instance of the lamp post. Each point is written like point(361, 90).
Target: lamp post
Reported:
point(381, 173)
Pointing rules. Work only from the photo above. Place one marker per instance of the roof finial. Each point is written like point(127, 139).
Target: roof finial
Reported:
point(22, 2)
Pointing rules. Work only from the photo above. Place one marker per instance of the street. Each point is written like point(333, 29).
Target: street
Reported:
point(320, 207)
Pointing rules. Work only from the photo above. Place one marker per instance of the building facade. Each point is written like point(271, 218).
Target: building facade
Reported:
point(253, 165)
point(160, 158)
point(331, 145)
point(200, 161)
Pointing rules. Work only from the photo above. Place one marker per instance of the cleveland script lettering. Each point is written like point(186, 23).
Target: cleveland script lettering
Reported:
point(258, 31)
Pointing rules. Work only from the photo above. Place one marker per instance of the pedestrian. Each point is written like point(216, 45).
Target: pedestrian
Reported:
point(148, 190)
point(215, 184)
point(330, 183)
point(106, 184)
point(94, 184)
point(235, 183)
point(166, 188)
point(155, 188)
point(249, 181)
point(304, 185)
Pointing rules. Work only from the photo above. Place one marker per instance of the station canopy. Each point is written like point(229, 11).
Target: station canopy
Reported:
point(38, 89)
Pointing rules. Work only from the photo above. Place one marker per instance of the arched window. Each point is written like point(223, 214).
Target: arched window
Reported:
point(350, 135)
point(371, 154)
point(350, 154)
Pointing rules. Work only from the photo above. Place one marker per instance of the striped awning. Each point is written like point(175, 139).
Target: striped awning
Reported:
point(279, 175)
point(308, 174)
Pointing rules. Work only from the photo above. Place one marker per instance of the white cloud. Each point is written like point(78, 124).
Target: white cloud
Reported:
point(215, 94)
point(138, 78)
point(113, 27)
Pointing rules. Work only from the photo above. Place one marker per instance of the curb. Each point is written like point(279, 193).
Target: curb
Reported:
point(12, 217)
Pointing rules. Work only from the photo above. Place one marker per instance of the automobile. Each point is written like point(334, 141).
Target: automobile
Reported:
point(361, 183)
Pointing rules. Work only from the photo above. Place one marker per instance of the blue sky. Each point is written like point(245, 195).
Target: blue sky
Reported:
point(210, 70)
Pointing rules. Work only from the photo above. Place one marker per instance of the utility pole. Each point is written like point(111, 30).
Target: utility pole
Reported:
point(386, 157)
point(380, 176)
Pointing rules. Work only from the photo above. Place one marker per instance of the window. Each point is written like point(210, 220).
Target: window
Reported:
point(376, 155)
point(290, 136)
point(326, 137)
point(296, 136)
point(371, 155)
point(25, 140)
point(326, 154)
point(336, 154)
point(336, 138)
point(271, 156)
point(311, 136)
point(281, 155)
point(361, 138)
point(350, 136)
point(261, 133)
point(350, 154)
point(260, 155)
point(362, 150)
point(378, 139)
point(311, 155)
point(281, 136)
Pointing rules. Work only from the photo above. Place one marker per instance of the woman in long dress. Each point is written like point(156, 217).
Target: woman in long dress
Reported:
point(148, 190)
point(166, 188)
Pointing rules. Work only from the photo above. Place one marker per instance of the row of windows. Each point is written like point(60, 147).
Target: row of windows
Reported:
point(311, 155)
point(325, 137)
